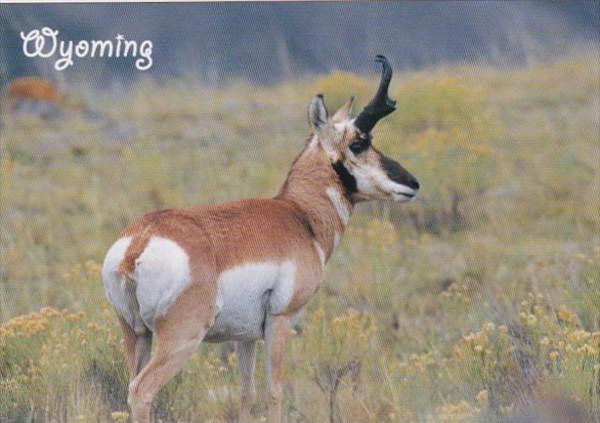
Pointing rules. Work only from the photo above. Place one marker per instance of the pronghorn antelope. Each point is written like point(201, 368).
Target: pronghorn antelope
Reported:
point(242, 271)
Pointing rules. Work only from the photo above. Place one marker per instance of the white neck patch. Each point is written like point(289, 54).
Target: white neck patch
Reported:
point(340, 206)
point(320, 252)
point(336, 239)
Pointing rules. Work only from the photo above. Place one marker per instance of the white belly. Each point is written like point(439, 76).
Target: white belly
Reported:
point(246, 294)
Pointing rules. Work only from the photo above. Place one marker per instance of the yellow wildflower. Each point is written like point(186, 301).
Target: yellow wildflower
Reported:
point(482, 397)
point(120, 416)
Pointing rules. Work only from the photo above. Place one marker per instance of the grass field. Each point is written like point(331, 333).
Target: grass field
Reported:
point(474, 303)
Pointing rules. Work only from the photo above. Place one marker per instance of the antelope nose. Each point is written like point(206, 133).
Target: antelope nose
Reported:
point(413, 183)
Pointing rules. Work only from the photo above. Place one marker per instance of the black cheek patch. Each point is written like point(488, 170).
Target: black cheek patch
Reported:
point(346, 178)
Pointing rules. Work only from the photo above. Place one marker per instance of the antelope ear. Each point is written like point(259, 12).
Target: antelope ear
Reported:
point(344, 112)
point(317, 113)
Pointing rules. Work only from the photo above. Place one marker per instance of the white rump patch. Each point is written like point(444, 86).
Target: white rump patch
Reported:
point(341, 207)
point(246, 293)
point(161, 273)
point(112, 279)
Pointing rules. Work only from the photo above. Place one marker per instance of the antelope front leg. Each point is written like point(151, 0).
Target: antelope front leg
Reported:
point(246, 352)
point(277, 329)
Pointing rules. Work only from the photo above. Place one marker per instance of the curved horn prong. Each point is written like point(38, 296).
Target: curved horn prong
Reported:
point(381, 105)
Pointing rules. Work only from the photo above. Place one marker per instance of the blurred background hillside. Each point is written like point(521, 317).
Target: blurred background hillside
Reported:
point(479, 302)
point(268, 42)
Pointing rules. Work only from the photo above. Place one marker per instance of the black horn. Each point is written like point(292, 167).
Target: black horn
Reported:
point(381, 105)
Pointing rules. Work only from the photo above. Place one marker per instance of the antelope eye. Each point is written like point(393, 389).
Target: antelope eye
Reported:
point(360, 145)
